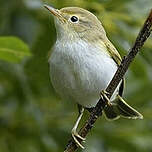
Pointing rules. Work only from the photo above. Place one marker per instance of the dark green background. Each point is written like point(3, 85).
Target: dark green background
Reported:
point(33, 118)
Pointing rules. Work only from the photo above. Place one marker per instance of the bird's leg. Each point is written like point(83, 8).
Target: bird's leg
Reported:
point(103, 94)
point(74, 133)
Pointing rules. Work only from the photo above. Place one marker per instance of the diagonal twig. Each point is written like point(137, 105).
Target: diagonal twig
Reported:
point(97, 111)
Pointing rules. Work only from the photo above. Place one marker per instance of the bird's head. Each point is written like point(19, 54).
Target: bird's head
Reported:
point(75, 22)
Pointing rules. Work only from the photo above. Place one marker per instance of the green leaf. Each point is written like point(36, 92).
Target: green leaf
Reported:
point(13, 49)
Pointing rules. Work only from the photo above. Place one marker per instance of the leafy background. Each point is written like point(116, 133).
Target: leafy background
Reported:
point(32, 117)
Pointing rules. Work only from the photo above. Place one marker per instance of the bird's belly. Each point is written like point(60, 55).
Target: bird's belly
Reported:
point(80, 76)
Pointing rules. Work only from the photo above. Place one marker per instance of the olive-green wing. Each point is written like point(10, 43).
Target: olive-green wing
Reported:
point(113, 52)
point(117, 58)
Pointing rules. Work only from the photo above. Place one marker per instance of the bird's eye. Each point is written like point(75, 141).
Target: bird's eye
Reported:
point(74, 19)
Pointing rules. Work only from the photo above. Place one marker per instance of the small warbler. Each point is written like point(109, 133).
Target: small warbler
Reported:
point(83, 62)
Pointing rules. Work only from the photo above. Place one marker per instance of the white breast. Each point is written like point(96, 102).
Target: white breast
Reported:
point(80, 71)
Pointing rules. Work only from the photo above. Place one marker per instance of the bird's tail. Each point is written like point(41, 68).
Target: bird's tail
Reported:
point(120, 108)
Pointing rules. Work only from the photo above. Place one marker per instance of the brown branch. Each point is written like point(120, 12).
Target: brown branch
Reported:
point(97, 111)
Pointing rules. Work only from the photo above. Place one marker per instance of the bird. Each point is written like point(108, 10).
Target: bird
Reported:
point(82, 63)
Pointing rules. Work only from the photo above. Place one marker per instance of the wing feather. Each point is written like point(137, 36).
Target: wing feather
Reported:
point(117, 58)
point(113, 52)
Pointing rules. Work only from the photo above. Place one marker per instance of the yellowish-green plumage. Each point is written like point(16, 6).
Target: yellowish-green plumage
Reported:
point(83, 62)
point(97, 34)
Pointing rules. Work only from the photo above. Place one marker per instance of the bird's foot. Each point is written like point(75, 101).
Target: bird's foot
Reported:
point(103, 95)
point(76, 136)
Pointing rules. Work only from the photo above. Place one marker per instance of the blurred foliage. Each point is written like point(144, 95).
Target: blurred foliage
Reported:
point(32, 117)
point(13, 49)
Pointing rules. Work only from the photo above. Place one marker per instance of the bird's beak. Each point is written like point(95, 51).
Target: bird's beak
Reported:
point(55, 12)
